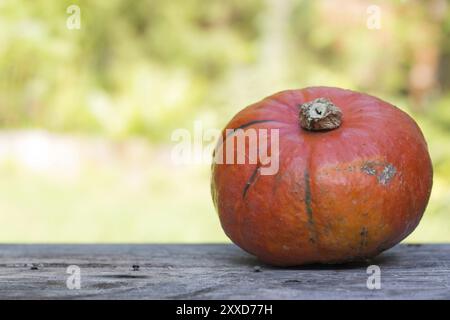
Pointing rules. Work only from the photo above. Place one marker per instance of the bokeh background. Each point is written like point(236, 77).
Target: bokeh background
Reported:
point(86, 115)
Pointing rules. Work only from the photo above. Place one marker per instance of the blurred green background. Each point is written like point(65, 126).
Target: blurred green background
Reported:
point(86, 115)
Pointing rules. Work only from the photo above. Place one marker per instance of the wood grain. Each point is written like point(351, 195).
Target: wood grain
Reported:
point(213, 271)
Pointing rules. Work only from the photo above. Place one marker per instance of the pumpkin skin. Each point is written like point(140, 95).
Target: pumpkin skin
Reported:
point(339, 195)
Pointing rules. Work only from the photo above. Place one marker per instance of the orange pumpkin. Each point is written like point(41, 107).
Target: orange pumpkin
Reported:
point(354, 178)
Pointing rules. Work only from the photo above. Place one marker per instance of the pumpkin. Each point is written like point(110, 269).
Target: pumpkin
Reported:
point(354, 178)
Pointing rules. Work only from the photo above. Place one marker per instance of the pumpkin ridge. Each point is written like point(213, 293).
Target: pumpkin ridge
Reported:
point(250, 181)
point(308, 206)
point(364, 238)
point(248, 124)
point(243, 126)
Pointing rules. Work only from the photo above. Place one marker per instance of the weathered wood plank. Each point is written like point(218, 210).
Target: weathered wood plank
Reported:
point(213, 272)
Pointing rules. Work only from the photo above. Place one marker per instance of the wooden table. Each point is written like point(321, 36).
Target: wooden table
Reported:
point(212, 271)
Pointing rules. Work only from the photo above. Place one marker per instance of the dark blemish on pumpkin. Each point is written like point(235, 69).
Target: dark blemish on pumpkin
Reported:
point(308, 205)
point(364, 232)
point(250, 181)
point(368, 168)
point(387, 174)
point(373, 168)
point(308, 197)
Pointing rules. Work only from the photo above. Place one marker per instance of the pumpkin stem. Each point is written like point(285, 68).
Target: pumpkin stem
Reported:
point(320, 114)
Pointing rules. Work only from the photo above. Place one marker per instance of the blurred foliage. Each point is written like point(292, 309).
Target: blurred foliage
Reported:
point(147, 67)
point(131, 69)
